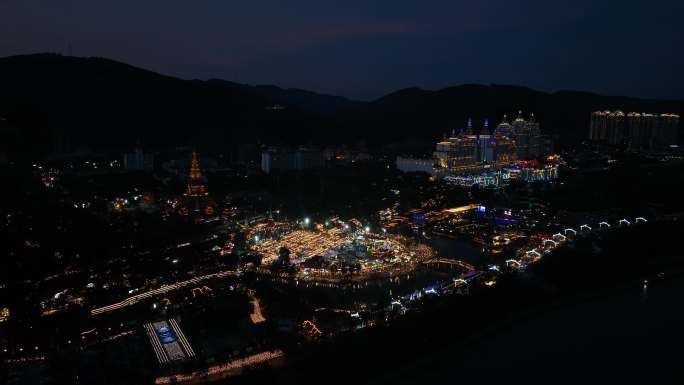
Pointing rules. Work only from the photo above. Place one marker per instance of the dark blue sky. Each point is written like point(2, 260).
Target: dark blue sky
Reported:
point(364, 49)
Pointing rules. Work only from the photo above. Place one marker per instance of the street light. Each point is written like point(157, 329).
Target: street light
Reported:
point(306, 221)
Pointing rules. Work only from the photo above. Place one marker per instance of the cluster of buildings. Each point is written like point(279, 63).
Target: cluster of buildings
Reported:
point(301, 158)
point(318, 251)
point(636, 131)
point(468, 152)
point(518, 171)
point(308, 158)
point(138, 160)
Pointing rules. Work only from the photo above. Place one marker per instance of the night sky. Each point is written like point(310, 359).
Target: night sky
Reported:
point(364, 49)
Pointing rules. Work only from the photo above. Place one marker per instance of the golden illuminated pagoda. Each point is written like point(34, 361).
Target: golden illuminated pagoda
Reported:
point(195, 202)
point(195, 186)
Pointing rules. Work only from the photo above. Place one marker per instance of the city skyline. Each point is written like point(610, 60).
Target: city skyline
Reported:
point(161, 225)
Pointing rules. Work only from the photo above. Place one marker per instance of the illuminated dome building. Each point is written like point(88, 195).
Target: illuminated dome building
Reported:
point(469, 152)
point(472, 151)
point(504, 128)
point(195, 202)
point(527, 137)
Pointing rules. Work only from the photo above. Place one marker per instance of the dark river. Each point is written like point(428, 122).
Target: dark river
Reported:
point(632, 337)
point(460, 249)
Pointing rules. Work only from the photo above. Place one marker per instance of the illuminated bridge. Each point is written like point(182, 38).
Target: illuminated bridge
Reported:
point(451, 264)
point(162, 290)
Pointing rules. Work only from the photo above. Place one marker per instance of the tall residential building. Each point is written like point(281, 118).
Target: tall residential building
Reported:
point(138, 161)
point(526, 134)
point(608, 127)
point(303, 158)
point(408, 164)
point(638, 131)
point(668, 129)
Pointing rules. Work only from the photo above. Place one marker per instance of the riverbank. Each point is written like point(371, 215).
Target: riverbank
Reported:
point(626, 334)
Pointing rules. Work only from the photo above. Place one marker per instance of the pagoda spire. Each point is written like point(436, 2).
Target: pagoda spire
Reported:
point(195, 186)
point(195, 172)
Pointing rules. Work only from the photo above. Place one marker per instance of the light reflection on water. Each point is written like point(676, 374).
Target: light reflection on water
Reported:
point(375, 292)
point(631, 335)
point(461, 249)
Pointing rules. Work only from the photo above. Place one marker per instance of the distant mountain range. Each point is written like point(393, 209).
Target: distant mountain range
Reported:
point(309, 101)
point(61, 102)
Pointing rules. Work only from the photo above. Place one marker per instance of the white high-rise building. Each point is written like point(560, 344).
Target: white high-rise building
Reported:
point(638, 131)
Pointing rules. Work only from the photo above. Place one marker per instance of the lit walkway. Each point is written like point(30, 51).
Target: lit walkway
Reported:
point(164, 289)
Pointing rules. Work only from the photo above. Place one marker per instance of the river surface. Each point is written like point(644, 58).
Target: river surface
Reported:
point(461, 249)
point(632, 337)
